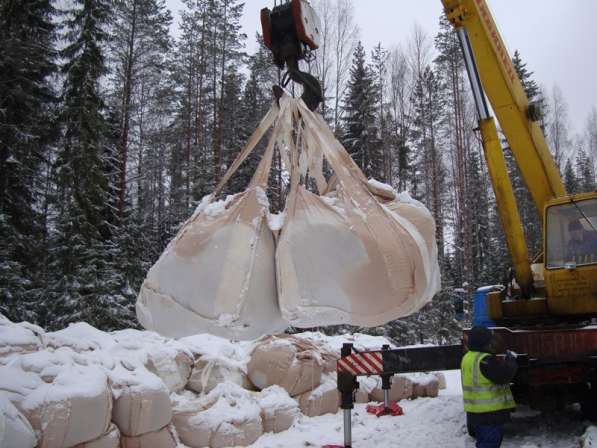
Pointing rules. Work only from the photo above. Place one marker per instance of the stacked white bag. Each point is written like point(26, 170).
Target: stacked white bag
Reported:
point(358, 254)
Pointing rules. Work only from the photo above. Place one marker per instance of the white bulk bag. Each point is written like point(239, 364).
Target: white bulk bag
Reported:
point(72, 408)
point(348, 259)
point(218, 274)
point(288, 362)
point(15, 430)
point(420, 217)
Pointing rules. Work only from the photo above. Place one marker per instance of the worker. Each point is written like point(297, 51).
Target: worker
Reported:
point(582, 245)
point(486, 379)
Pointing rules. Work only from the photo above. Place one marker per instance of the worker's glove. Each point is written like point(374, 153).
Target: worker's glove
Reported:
point(511, 355)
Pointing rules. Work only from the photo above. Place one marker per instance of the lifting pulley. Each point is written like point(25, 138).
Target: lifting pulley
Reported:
point(291, 30)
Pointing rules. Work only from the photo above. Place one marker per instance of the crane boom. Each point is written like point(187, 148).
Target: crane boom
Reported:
point(566, 274)
point(508, 100)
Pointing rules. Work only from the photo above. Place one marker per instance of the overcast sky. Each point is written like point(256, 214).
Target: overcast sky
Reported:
point(556, 38)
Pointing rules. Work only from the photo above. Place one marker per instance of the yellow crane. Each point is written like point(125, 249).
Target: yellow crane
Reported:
point(564, 283)
point(547, 313)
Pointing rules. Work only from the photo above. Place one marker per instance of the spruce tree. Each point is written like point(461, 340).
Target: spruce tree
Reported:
point(528, 212)
point(360, 133)
point(585, 172)
point(81, 263)
point(27, 132)
point(570, 180)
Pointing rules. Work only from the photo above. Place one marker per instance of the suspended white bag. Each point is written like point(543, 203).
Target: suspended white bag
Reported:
point(345, 258)
point(218, 274)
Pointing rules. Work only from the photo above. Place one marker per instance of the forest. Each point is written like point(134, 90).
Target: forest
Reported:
point(113, 128)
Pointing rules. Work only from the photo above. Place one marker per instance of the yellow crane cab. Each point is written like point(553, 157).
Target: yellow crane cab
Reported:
point(570, 263)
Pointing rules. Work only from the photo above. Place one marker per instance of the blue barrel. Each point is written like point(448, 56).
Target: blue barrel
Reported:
point(480, 308)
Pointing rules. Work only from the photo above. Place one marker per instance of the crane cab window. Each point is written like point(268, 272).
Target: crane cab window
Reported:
point(571, 234)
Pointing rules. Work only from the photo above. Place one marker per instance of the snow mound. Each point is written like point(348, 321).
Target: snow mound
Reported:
point(589, 438)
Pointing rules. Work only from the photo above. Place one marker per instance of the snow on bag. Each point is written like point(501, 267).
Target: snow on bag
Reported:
point(218, 274)
point(174, 372)
point(216, 360)
point(70, 408)
point(142, 401)
point(19, 338)
point(15, 430)
point(344, 258)
point(278, 410)
point(227, 416)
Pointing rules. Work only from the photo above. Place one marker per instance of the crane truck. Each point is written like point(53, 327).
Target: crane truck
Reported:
point(547, 313)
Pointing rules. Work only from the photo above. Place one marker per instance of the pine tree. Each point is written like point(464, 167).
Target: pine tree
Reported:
point(139, 49)
point(428, 109)
point(232, 127)
point(400, 119)
point(27, 131)
point(139, 41)
point(360, 134)
point(379, 58)
point(450, 67)
point(225, 54)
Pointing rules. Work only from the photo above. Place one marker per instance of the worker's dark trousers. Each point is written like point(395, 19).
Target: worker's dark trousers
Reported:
point(489, 436)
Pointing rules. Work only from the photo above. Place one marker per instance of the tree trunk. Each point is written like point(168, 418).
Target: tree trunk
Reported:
point(125, 113)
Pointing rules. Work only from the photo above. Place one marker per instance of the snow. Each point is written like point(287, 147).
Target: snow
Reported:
point(81, 361)
point(381, 186)
point(72, 381)
point(361, 342)
point(276, 221)
point(262, 198)
point(80, 336)
point(16, 335)
point(431, 422)
point(213, 209)
point(275, 397)
point(220, 350)
point(589, 438)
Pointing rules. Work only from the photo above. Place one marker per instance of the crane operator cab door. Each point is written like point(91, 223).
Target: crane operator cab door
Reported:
point(571, 255)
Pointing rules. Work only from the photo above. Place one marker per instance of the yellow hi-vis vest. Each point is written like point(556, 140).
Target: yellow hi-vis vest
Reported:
point(479, 393)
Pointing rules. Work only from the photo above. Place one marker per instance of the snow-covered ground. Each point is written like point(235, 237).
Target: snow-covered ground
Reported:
point(86, 368)
point(433, 422)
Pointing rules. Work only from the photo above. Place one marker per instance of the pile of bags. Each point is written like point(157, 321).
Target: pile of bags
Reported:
point(81, 387)
point(354, 252)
